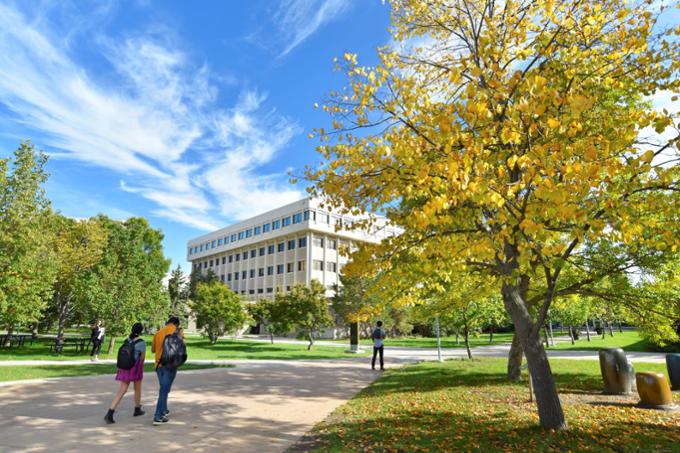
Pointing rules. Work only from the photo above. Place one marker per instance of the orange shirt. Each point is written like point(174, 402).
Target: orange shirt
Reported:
point(157, 342)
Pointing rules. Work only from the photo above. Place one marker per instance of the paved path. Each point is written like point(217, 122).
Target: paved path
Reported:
point(256, 407)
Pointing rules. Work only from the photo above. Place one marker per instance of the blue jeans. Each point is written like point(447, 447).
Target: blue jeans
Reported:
point(165, 378)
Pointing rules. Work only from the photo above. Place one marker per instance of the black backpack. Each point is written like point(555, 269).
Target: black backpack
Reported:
point(174, 351)
point(126, 355)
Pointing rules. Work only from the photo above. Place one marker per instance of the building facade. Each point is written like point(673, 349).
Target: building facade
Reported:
point(273, 251)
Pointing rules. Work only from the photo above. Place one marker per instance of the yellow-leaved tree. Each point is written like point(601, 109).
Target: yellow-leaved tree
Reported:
point(503, 136)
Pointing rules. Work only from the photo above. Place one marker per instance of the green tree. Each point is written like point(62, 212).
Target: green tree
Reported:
point(304, 308)
point(261, 312)
point(572, 311)
point(27, 268)
point(126, 286)
point(218, 310)
point(78, 246)
point(178, 292)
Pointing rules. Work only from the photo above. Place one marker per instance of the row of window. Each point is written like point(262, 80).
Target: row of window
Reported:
point(270, 289)
point(252, 273)
point(262, 251)
point(254, 231)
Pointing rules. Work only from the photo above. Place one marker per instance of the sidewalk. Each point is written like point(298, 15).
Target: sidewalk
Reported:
point(259, 406)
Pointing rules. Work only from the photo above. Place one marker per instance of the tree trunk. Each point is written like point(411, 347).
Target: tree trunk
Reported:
point(550, 412)
point(311, 341)
point(10, 332)
point(550, 330)
point(515, 359)
point(457, 339)
point(271, 336)
point(467, 342)
point(491, 335)
point(547, 337)
point(587, 331)
point(604, 328)
point(34, 330)
point(620, 328)
point(112, 343)
point(611, 331)
point(571, 335)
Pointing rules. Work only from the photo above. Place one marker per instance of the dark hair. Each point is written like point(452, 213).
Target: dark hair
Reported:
point(379, 323)
point(137, 329)
point(173, 320)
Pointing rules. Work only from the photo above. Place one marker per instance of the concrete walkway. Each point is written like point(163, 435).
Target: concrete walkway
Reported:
point(256, 407)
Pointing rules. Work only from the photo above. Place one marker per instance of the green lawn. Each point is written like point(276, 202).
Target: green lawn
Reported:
point(629, 340)
point(17, 373)
point(465, 405)
point(447, 342)
point(198, 348)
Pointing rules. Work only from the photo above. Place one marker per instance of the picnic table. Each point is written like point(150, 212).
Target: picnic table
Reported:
point(17, 340)
point(78, 343)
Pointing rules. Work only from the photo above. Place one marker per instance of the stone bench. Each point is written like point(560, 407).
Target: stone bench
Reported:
point(654, 391)
point(673, 366)
point(617, 373)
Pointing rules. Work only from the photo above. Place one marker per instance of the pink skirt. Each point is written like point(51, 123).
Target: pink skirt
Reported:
point(133, 374)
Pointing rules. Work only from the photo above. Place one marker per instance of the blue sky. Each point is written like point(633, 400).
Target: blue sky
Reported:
point(190, 114)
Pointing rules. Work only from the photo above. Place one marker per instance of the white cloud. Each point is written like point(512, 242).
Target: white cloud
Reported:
point(154, 121)
point(299, 19)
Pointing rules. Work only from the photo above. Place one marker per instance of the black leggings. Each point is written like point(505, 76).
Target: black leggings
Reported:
point(375, 353)
point(96, 347)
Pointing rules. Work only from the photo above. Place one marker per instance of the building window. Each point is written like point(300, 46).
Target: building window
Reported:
point(211, 263)
point(224, 260)
point(266, 227)
point(245, 255)
point(276, 224)
point(282, 247)
point(201, 247)
point(262, 250)
point(270, 249)
point(249, 232)
point(233, 237)
point(270, 290)
point(244, 275)
point(270, 270)
point(243, 291)
point(318, 242)
point(226, 240)
point(252, 273)
point(229, 277)
point(258, 230)
point(302, 242)
point(331, 267)
point(335, 220)
point(310, 214)
point(235, 275)
point(279, 268)
point(285, 222)
point(289, 267)
point(260, 290)
point(291, 244)
point(301, 265)
point(219, 242)
point(231, 258)
point(332, 244)
point(317, 265)
point(297, 218)
point(205, 264)
point(241, 235)
point(260, 272)
point(287, 288)
point(222, 278)
point(253, 253)
point(252, 291)
point(212, 244)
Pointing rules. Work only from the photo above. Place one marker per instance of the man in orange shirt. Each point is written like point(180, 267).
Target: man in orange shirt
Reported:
point(166, 375)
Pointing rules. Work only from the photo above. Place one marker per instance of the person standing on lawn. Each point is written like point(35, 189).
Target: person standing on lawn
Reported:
point(97, 338)
point(378, 336)
point(166, 375)
point(134, 375)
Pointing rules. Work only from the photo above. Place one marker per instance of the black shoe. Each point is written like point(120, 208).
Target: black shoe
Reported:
point(108, 418)
point(167, 412)
point(138, 411)
point(160, 421)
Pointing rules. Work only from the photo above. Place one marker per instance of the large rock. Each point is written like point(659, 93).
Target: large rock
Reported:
point(673, 366)
point(617, 372)
point(654, 391)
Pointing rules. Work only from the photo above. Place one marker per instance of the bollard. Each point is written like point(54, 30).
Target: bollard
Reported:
point(654, 391)
point(673, 366)
point(617, 372)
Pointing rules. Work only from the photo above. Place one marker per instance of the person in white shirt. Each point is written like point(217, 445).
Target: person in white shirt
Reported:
point(378, 336)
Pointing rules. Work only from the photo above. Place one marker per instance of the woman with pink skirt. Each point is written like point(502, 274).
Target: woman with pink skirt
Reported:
point(134, 375)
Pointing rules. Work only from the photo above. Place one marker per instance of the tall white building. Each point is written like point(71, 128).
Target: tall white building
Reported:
point(280, 248)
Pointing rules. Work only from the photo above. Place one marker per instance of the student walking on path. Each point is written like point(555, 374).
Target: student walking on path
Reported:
point(378, 336)
point(97, 338)
point(166, 372)
point(135, 347)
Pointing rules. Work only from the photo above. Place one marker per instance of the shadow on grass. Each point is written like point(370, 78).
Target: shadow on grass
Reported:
point(238, 349)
